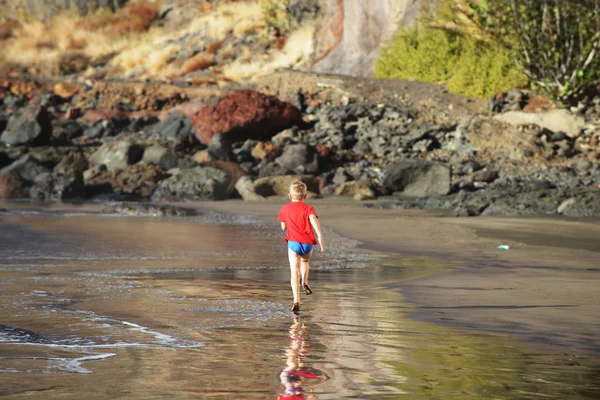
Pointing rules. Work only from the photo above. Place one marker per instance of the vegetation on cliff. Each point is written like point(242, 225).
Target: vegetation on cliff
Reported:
point(479, 47)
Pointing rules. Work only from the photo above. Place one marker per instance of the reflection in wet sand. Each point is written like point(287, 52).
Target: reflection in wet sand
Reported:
point(297, 378)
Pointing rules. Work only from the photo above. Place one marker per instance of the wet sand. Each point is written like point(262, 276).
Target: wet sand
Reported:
point(545, 289)
point(131, 307)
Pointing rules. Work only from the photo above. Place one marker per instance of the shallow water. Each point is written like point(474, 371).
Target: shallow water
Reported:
point(112, 307)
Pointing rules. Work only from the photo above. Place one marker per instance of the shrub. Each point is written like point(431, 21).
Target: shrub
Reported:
point(467, 65)
point(483, 69)
point(556, 42)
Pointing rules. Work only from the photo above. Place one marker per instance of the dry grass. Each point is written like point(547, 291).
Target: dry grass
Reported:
point(295, 53)
point(214, 47)
point(196, 63)
point(130, 46)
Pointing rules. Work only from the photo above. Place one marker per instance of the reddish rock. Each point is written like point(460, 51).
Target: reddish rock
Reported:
point(245, 114)
point(11, 186)
point(92, 116)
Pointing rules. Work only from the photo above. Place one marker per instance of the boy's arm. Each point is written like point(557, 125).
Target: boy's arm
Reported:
point(283, 227)
point(314, 221)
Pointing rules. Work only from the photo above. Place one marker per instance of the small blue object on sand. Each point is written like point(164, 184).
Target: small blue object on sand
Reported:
point(504, 247)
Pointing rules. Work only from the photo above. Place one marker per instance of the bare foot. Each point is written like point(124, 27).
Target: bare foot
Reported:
point(307, 288)
point(295, 308)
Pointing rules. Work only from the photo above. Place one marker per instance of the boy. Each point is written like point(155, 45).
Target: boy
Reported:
point(295, 218)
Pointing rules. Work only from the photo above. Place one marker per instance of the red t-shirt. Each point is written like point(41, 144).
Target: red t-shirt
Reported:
point(295, 215)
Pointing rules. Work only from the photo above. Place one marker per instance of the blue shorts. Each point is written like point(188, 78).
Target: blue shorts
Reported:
point(300, 248)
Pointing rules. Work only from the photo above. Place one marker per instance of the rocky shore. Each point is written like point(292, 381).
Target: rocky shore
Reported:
point(96, 141)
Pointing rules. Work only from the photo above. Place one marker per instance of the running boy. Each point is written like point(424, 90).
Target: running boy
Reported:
point(295, 218)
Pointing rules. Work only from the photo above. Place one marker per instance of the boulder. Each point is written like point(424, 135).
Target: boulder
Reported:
point(72, 163)
point(340, 176)
point(66, 131)
point(161, 156)
point(198, 183)
point(299, 158)
point(27, 168)
point(485, 175)
point(234, 172)
point(29, 127)
point(358, 189)
point(48, 187)
point(220, 147)
point(280, 185)
point(175, 125)
point(555, 121)
point(99, 129)
point(266, 168)
point(12, 186)
point(117, 155)
point(138, 181)
point(418, 178)
point(245, 114)
point(245, 187)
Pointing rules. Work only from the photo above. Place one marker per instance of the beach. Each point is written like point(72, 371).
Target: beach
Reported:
point(544, 288)
point(107, 306)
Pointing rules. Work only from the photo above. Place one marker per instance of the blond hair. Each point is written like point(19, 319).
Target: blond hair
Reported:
point(298, 190)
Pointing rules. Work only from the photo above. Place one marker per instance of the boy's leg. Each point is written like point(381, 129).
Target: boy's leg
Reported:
point(304, 268)
point(295, 274)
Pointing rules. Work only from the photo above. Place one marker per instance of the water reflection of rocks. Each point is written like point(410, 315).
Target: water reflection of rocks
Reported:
point(297, 378)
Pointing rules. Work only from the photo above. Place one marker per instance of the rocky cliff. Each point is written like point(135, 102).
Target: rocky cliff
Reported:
point(351, 32)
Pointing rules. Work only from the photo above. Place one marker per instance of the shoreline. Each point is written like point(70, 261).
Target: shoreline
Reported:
point(546, 295)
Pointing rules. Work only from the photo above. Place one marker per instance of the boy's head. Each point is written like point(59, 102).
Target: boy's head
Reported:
point(298, 191)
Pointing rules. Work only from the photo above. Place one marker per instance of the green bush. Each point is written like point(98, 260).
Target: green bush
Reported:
point(556, 43)
point(467, 65)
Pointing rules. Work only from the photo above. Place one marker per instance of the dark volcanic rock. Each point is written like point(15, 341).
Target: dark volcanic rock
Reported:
point(31, 127)
point(56, 188)
point(199, 183)
point(27, 168)
point(64, 132)
point(149, 210)
point(299, 158)
point(219, 148)
point(266, 168)
point(175, 125)
point(245, 114)
point(162, 156)
point(418, 178)
point(3, 121)
point(19, 335)
point(100, 129)
point(117, 155)
point(71, 164)
point(4, 160)
point(234, 172)
point(485, 175)
point(12, 186)
point(138, 181)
